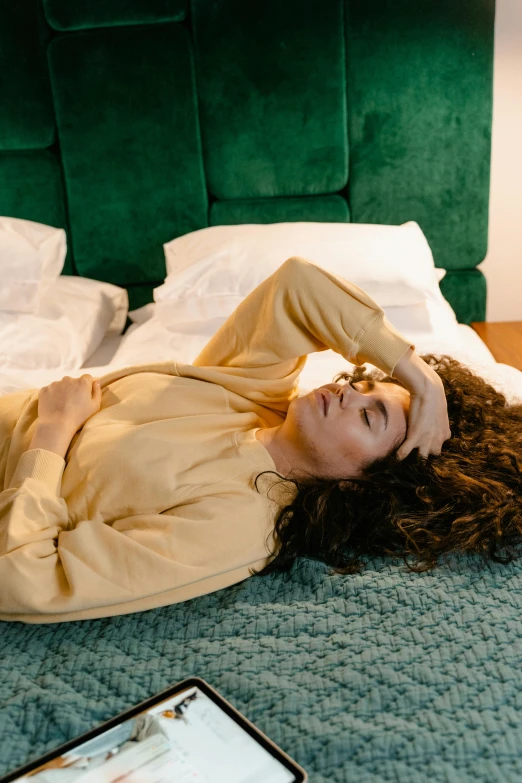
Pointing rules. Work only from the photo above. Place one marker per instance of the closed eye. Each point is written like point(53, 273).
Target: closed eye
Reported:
point(379, 403)
point(350, 383)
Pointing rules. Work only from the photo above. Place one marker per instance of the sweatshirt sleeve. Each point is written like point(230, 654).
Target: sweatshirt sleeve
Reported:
point(299, 309)
point(53, 572)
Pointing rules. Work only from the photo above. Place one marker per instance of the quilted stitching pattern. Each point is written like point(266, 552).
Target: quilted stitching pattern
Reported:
point(383, 676)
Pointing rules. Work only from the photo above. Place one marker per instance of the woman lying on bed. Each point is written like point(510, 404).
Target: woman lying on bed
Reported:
point(168, 481)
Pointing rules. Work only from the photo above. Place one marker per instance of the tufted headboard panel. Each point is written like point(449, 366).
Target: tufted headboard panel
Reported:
point(132, 122)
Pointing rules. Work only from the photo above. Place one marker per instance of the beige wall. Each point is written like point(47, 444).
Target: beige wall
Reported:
point(502, 266)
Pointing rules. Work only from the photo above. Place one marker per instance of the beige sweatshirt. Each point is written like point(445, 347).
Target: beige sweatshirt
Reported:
point(155, 501)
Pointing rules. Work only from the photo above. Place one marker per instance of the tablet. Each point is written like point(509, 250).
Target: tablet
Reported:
point(188, 733)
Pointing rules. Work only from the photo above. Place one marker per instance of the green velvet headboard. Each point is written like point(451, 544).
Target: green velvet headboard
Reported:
point(131, 122)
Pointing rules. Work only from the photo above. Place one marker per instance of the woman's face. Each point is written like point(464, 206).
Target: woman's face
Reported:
point(362, 422)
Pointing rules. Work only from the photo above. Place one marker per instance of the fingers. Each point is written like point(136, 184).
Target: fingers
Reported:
point(94, 383)
point(424, 448)
point(85, 377)
point(402, 454)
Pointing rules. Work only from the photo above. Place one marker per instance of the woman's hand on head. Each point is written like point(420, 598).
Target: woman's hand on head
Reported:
point(69, 402)
point(428, 423)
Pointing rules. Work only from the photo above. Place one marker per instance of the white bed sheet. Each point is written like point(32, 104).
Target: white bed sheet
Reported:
point(150, 341)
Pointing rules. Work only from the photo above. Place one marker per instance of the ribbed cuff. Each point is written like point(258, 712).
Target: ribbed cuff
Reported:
point(42, 465)
point(382, 345)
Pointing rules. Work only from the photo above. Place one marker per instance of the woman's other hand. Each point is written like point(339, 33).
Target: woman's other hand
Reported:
point(428, 423)
point(69, 402)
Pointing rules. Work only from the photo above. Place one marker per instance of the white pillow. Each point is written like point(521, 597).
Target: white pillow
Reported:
point(29, 254)
point(73, 316)
point(211, 271)
point(142, 314)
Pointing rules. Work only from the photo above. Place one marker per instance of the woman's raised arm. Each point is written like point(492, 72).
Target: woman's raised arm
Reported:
point(300, 309)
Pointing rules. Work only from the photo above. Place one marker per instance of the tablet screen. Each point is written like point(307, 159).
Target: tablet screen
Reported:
point(186, 738)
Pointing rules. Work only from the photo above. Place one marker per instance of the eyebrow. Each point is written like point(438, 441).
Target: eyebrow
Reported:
point(379, 403)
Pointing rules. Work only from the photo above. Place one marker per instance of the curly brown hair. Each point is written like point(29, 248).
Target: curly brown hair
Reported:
point(467, 499)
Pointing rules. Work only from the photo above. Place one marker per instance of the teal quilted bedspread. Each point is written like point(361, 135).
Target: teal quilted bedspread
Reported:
point(382, 676)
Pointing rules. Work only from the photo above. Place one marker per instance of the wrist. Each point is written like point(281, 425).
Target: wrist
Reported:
point(52, 436)
point(413, 372)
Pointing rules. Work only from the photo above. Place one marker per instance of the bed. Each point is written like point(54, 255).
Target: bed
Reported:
point(143, 122)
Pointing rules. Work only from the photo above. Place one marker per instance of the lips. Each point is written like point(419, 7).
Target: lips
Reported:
point(324, 400)
point(327, 403)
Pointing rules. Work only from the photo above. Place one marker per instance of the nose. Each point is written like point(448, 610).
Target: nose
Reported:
point(345, 392)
